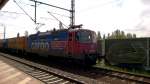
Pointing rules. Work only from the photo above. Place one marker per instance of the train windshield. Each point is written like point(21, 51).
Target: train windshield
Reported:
point(85, 36)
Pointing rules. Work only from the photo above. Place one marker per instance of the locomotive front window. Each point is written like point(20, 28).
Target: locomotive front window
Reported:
point(84, 36)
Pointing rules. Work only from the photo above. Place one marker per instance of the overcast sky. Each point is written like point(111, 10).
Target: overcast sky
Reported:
point(99, 15)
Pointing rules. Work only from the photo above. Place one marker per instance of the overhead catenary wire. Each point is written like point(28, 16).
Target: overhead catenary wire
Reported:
point(11, 12)
point(51, 5)
point(72, 11)
point(57, 19)
point(24, 11)
point(26, 4)
point(100, 5)
point(60, 14)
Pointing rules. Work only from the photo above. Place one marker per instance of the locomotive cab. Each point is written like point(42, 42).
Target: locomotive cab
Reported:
point(86, 41)
point(82, 45)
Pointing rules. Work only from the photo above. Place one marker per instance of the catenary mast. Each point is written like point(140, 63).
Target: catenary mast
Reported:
point(72, 18)
point(72, 11)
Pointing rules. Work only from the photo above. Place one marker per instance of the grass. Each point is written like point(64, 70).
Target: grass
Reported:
point(135, 71)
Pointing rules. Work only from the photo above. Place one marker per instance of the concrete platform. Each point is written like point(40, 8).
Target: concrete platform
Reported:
point(11, 75)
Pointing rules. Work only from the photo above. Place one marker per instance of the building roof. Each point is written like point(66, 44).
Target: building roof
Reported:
point(3, 3)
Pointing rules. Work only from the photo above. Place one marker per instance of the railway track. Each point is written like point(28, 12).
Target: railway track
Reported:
point(46, 74)
point(85, 76)
point(124, 77)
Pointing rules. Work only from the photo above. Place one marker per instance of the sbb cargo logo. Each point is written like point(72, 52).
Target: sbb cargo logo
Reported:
point(40, 45)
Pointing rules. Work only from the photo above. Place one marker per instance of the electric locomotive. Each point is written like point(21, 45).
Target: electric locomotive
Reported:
point(71, 44)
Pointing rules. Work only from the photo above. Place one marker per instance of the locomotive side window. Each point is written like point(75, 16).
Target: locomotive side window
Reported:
point(32, 45)
point(46, 45)
point(41, 44)
point(36, 45)
point(77, 36)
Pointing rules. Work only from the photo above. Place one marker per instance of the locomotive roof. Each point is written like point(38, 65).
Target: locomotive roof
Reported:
point(49, 32)
point(71, 30)
point(57, 31)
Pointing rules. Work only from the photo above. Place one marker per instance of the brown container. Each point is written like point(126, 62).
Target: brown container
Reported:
point(21, 43)
point(12, 43)
point(1, 43)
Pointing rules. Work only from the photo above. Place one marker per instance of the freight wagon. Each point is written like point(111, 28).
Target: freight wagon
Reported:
point(21, 44)
point(1, 43)
point(128, 52)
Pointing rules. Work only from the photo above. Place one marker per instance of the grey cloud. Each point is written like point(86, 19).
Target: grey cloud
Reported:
point(146, 2)
point(146, 12)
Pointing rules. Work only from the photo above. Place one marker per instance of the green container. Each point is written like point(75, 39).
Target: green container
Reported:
point(128, 51)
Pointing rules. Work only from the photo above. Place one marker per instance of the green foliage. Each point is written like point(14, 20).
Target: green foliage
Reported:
point(118, 34)
point(134, 35)
point(99, 35)
point(129, 35)
point(104, 36)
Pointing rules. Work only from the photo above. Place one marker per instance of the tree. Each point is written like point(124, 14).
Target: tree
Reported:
point(99, 35)
point(134, 35)
point(108, 36)
point(104, 36)
point(118, 34)
point(129, 35)
point(123, 34)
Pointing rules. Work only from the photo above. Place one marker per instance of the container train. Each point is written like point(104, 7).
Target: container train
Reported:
point(81, 45)
point(70, 44)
